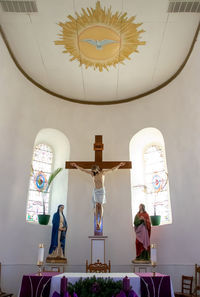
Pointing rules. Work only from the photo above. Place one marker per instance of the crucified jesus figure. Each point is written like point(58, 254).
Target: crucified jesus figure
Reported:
point(99, 194)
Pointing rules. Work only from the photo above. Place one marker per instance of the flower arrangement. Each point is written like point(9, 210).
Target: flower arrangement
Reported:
point(96, 287)
point(92, 287)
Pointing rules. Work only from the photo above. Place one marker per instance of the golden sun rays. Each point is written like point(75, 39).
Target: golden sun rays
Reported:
point(99, 38)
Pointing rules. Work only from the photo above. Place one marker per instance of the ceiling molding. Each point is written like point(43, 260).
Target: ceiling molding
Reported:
point(164, 84)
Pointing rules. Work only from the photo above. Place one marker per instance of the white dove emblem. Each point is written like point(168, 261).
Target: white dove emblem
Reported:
point(99, 43)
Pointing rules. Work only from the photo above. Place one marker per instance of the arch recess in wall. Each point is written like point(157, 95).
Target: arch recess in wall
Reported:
point(59, 143)
point(149, 176)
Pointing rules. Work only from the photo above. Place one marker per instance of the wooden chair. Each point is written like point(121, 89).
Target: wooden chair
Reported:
point(98, 267)
point(3, 294)
point(197, 280)
point(186, 288)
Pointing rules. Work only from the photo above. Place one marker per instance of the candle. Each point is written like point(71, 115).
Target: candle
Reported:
point(126, 284)
point(40, 254)
point(153, 254)
point(63, 286)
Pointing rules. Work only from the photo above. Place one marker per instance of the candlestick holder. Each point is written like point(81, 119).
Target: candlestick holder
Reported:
point(154, 258)
point(39, 265)
point(154, 264)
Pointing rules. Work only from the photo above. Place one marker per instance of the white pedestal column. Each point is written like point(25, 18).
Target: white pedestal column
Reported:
point(98, 248)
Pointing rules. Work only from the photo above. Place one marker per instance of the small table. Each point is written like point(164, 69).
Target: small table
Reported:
point(35, 285)
point(155, 286)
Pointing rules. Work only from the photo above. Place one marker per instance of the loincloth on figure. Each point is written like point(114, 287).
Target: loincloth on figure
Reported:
point(99, 196)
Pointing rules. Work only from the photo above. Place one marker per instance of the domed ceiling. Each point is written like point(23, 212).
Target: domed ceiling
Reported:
point(99, 51)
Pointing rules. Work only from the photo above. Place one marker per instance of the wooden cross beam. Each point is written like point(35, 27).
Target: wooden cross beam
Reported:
point(98, 148)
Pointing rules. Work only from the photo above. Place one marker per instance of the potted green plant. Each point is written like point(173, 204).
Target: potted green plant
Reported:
point(43, 185)
point(155, 219)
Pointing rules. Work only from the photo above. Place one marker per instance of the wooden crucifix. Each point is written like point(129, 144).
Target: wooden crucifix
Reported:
point(98, 148)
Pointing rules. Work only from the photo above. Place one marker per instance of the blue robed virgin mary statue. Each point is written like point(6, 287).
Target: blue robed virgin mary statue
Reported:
point(57, 247)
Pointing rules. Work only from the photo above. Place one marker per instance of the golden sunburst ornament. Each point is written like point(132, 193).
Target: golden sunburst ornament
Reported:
point(99, 38)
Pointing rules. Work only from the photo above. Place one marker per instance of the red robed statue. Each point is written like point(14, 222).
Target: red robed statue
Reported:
point(142, 225)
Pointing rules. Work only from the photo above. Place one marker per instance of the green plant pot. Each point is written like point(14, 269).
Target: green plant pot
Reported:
point(155, 220)
point(43, 219)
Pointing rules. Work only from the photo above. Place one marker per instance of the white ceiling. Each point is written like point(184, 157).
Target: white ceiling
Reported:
point(168, 39)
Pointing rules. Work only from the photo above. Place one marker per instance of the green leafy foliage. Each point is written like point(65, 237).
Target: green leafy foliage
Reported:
point(51, 177)
point(95, 287)
point(50, 180)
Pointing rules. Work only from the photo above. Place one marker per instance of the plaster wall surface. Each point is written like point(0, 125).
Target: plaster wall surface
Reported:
point(174, 110)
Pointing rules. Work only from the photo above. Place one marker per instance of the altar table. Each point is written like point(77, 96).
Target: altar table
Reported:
point(144, 284)
point(35, 285)
point(74, 277)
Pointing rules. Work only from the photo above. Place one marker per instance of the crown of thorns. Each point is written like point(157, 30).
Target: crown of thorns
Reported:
point(95, 167)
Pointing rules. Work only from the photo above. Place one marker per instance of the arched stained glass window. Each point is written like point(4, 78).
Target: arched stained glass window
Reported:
point(156, 183)
point(41, 165)
point(149, 176)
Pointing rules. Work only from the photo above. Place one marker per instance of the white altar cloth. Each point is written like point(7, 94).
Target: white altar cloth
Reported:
point(74, 277)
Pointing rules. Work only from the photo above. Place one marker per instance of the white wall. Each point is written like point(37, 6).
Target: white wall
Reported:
point(173, 110)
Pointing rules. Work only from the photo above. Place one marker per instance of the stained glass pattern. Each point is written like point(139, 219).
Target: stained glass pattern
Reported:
point(41, 163)
point(156, 182)
point(40, 181)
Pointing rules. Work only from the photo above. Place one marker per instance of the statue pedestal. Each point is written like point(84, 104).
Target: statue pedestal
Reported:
point(54, 267)
point(55, 264)
point(98, 248)
point(56, 260)
point(142, 266)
